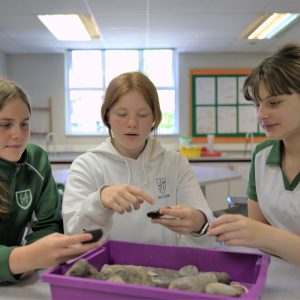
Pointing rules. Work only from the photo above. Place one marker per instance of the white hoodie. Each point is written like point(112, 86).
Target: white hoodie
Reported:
point(166, 175)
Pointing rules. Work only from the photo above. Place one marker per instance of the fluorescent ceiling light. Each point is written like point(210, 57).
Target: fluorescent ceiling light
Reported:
point(71, 27)
point(267, 26)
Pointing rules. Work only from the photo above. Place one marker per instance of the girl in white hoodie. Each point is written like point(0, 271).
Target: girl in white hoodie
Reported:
point(115, 185)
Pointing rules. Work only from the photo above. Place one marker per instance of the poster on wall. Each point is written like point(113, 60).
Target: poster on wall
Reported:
point(247, 119)
point(205, 90)
point(227, 119)
point(226, 90)
point(205, 120)
point(241, 97)
point(219, 106)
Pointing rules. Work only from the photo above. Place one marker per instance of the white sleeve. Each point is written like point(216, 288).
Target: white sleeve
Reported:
point(190, 193)
point(82, 208)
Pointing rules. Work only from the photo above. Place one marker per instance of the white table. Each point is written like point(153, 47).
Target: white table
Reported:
point(208, 175)
point(282, 283)
point(60, 175)
point(205, 175)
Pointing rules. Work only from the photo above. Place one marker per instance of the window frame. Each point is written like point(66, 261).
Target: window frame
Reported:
point(68, 90)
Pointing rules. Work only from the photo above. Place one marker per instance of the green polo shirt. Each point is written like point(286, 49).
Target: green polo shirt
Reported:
point(278, 199)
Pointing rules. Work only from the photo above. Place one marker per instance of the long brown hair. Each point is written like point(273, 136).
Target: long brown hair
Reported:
point(9, 90)
point(279, 74)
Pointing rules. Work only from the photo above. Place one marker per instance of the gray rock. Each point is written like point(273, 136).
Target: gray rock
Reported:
point(218, 288)
point(188, 270)
point(126, 273)
point(82, 268)
point(193, 283)
point(223, 277)
point(187, 278)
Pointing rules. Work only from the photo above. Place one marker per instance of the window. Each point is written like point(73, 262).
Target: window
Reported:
point(89, 73)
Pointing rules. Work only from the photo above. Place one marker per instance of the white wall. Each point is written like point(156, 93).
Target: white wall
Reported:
point(2, 64)
point(188, 61)
point(42, 75)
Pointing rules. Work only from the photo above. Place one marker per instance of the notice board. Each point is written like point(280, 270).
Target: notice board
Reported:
point(219, 107)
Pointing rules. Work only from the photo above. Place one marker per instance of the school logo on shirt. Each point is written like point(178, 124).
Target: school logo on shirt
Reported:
point(162, 186)
point(24, 198)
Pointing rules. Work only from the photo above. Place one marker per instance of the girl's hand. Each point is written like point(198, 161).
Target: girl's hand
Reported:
point(238, 230)
point(181, 219)
point(51, 250)
point(126, 197)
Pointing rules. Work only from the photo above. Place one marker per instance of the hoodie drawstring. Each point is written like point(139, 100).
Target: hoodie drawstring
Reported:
point(145, 177)
point(145, 183)
point(129, 171)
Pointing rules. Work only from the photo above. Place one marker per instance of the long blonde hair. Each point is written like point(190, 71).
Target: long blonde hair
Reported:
point(9, 90)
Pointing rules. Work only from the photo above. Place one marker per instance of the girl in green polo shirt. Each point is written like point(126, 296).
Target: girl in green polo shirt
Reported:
point(30, 207)
point(273, 189)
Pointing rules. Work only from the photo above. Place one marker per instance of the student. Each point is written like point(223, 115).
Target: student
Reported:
point(28, 196)
point(116, 184)
point(273, 190)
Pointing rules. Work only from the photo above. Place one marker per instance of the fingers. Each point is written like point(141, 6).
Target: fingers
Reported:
point(170, 211)
point(141, 195)
point(123, 206)
point(125, 201)
point(223, 225)
point(65, 241)
point(227, 218)
point(69, 240)
point(175, 219)
point(57, 248)
point(173, 224)
point(233, 230)
point(179, 211)
point(125, 198)
point(72, 252)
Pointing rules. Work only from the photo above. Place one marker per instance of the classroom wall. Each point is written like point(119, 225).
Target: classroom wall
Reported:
point(42, 75)
point(188, 61)
point(2, 64)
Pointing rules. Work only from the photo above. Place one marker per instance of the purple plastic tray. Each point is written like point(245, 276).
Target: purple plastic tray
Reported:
point(248, 268)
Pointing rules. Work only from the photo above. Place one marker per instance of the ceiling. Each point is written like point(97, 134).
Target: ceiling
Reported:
point(187, 25)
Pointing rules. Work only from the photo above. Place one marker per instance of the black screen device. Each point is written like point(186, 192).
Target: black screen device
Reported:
point(96, 233)
point(154, 214)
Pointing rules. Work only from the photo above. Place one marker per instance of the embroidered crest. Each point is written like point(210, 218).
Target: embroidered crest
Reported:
point(24, 198)
point(162, 184)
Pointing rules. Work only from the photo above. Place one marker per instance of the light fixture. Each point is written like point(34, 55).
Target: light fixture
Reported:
point(71, 27)
point(267, 26)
